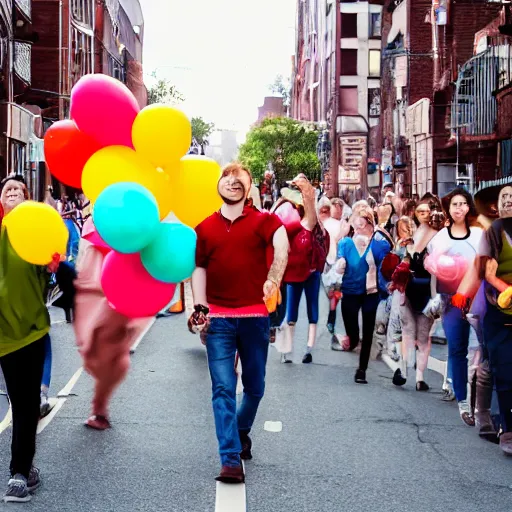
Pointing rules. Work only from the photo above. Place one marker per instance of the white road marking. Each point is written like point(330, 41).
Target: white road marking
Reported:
point(62, 395)
point(144, 332)
point(436, 365)
point(6, 422)
point(230, 497)
point(273, 426)
point(57, 322)
point(66, 390)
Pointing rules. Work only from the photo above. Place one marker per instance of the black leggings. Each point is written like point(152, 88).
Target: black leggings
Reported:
point(350, 306)
point(23, 371)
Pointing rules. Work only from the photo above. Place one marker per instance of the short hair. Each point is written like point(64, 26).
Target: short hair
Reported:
point(365, 213)
point(336, 201)
point(235, 168)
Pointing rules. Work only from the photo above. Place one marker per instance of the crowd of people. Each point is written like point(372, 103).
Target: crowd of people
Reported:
point(391, 267)
point(397, 265)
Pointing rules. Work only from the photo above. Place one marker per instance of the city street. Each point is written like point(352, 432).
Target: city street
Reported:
point(342, 447)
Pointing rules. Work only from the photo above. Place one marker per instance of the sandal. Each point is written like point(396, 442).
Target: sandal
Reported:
point(98, 422)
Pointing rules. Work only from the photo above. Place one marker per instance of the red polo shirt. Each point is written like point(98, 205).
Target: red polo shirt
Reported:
point(234, 256)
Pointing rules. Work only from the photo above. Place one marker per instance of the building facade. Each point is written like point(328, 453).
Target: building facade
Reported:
point(53, 43)
point(442, 65)
point(336, 84)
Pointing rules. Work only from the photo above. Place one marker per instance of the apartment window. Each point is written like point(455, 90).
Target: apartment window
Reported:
point(375, 24)
point(374, 64)
point(348, 25)
point(374, 102)
point(348, 62)
point(82, 11)
point(348, 101)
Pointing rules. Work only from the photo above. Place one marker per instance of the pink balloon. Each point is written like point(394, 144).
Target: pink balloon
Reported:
point(105, 109)
point(130, 289)
point(450, 268)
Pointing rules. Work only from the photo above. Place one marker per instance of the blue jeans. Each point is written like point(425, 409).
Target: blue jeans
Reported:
point(456, 329)
point(47, 368)
point(311, 288)
point(250, 336)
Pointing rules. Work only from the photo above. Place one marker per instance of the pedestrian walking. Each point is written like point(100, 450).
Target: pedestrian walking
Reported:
point(230, 286)
point(24, 328)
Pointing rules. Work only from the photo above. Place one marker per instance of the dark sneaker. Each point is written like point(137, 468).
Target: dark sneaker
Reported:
point(360, 377)
point(422, 386)
point(506, 443)
point(231, 475)
point(17, 490)
point(246, 453)
point(44, 407)
point(330, 328)
point(34, 479)
point(308, 358)
point(398, 378)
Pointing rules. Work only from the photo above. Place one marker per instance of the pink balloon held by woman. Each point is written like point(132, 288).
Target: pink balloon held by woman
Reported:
point(105, 109)
point(130, 289)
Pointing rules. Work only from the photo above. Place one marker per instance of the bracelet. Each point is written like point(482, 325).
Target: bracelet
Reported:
point(199, 308)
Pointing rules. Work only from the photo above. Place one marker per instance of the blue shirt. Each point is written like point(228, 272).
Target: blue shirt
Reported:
point(354, 278)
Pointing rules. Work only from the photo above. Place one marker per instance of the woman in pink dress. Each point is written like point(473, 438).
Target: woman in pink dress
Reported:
point(104, 337)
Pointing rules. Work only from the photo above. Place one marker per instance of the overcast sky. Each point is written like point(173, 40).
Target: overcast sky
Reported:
point(221, 54)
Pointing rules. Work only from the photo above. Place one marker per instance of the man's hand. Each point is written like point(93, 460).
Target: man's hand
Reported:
point(269, 289)
point(53, 266)
point(198, 321)
point(491, 267)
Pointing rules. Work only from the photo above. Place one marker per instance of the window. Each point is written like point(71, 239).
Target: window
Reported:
point(82, 11)
point(374, 102)
point(375, 24)
point(348, 25)
point(348, 62)
point(374, 64)
point(348, 101)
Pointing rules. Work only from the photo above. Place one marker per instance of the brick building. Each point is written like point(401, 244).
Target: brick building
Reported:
point(55, 43)
point(337, 85)
point(439, 83)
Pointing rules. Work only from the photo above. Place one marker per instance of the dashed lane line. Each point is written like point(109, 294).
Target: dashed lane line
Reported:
point(230, 498)
point(6, 422)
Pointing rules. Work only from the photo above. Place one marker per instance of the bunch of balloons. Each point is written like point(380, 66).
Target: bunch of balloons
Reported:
point(130, 164)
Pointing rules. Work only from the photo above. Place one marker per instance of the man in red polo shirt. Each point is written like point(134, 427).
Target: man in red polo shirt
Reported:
point(230, 285)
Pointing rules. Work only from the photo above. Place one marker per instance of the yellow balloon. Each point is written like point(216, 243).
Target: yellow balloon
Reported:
point(161, 134)
point(194, 186)
point(115, 164)
point(36, 232)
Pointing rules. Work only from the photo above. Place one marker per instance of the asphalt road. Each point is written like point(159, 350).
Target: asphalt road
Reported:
point(343, 447)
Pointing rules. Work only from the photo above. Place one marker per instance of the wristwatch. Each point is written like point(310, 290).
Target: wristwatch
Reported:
point(199, 308)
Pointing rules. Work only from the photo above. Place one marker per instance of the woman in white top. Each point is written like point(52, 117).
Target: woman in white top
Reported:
point(451, 254)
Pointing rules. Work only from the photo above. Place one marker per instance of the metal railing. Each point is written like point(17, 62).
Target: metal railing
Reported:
point(474, 106)
point(22, 60)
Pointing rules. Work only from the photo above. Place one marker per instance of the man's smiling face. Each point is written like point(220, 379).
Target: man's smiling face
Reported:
point(505, 202)
point(234, 186)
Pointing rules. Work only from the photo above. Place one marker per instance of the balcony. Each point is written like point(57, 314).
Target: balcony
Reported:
point(25, 7)
point(22, 59)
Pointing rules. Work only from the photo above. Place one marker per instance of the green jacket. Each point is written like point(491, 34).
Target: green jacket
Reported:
point(24, 317)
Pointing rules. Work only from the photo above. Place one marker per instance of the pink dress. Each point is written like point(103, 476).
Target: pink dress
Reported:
point(104, 337)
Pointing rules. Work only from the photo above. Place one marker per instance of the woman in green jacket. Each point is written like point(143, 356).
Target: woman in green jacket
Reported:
point(24, 327)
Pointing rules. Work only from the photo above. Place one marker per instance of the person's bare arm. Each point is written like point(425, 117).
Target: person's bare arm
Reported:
point(491, 267)
point(278, 267)
point(308, 195)
point(199, 286)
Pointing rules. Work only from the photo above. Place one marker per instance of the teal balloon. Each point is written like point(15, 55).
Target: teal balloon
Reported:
point(171, 256)
point(126, 217)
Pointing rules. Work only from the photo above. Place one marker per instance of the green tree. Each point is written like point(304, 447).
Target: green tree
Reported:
point(281, 87)
point(285, 145)
point(201, 131)
point(164, 92)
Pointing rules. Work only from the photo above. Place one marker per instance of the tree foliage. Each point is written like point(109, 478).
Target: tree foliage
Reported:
point(283, 145)
point(281, 87)
point(164, 92)
point(201, 130)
